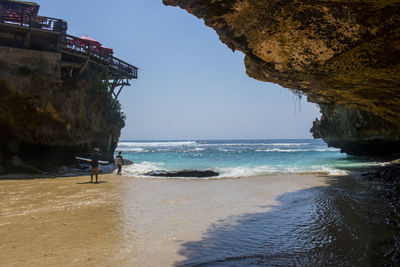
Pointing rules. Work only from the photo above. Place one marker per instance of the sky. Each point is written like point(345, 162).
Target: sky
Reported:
point(191, 86)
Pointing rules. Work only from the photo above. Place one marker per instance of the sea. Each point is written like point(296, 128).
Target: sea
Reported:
point(239, 158)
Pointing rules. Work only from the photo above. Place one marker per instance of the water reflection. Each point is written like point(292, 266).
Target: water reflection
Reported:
point(341, 224)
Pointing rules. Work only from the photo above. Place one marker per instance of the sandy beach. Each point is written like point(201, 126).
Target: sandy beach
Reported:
point(122, 220)
point(127, 221)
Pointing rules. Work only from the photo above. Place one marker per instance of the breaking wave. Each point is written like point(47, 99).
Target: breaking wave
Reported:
point(140, 169)
point(156, 144)
point(242, 172)
point(241, 158)
point(295, 150)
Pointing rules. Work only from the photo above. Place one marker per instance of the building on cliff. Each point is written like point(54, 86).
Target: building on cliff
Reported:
point(58, 92)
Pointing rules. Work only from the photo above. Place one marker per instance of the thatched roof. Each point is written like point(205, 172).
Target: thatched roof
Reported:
point(22, 2)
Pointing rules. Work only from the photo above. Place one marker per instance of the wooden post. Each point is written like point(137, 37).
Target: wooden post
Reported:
point(83, 67)
point(120, 89)
point(114, 85)
point(27, 38)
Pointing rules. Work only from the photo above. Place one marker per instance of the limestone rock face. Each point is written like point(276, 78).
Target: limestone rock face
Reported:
point(344, 55)
point(47, 116)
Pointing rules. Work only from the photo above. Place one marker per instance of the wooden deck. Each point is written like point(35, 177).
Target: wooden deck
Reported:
point(80, 47)
point(49, 34)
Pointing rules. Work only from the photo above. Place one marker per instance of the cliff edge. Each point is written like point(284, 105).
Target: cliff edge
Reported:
point(50, 114)
point(344, 55)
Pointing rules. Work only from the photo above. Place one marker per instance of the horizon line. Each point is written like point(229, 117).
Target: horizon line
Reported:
point(255, 139)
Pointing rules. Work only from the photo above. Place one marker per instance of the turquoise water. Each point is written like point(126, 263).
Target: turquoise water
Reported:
point(239, 158)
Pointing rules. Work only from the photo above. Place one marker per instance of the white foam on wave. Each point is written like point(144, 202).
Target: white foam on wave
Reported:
point(336, 172)
point(190, 146)
point(318, 169)
point(256, 144)
point(234, 144)
point(288, 144)
point(223, 149)
point(137, 169)
point(130, 149)
point(142, 150)
point(123, 144)
point(189, 150)
point(326, 149)
point(150, 150)
point(157, 149)
point(242, 172)
point(239, 172)
point(156, 144)
point(280, 150)
point(199, 149)
point(297, 150)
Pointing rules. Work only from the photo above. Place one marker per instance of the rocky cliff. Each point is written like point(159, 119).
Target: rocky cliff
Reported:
point(344, 55)
point(48, 115)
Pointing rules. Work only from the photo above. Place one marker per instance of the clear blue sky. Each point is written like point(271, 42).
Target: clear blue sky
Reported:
point(190, 86)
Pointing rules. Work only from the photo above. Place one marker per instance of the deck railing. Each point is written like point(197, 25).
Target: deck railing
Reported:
point(38, 22)
point(98, 53)
point(68, 42)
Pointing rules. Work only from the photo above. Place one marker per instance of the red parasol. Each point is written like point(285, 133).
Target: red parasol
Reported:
point(91, 40)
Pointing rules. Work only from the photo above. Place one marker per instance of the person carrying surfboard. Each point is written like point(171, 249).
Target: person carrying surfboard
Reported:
point(95, 164)
point(120, 161)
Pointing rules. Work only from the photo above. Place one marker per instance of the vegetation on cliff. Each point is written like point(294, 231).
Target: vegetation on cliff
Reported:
point(48, 115)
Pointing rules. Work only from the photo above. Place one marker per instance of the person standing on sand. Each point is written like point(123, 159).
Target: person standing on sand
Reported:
point(120, 161)
point(95, 164)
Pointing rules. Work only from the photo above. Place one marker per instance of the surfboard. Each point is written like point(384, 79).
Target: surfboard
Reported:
point(89, 160)
point(127, 162)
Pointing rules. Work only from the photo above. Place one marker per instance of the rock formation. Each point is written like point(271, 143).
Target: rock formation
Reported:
point(344, 55)
point(184, 173)
point(48, 115)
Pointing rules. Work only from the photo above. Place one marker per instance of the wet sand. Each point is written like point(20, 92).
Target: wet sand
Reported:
point(126, 221)
point(62, 221)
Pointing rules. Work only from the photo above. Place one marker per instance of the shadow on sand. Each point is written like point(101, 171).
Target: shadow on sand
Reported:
point(342, 224)
point(99, 182)
point(51, 175)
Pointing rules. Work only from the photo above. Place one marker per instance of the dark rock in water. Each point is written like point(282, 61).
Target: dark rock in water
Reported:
point(184, 173)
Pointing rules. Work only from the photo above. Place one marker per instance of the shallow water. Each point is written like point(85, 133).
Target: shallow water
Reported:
point(258, 222)
point(340, 225)
point(278, 220)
